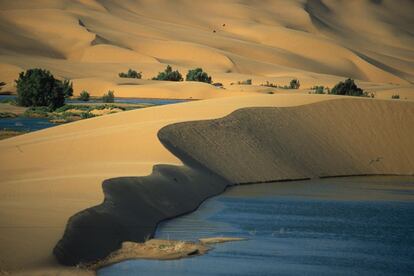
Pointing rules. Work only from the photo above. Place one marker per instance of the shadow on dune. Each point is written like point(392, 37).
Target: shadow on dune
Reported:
point(253, 145)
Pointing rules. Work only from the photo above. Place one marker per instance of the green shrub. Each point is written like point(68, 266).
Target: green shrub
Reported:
point(348, 88)
point(86, 115)
point(269, 84)
point(67, 87)
point(37, 87)
point(197, 74)
point(108, 97)
point(319, 89)
point(130, 74)
point(169, 75)
point(294, 84)
point(395, 96)
point(37, 112)
point(84, 96)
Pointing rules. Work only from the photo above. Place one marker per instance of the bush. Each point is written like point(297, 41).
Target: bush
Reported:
point(86, 115)
point(319, 89)
point(84, 96)
point(130, 74)
point(198, 75)
point(395, 96)
point(169, 75)
point(2, 84)
point(269, 84)
point(37, 112)
point(245, 82)
point(294, 84)
point(67, 88)
point(37, 87)
point(348, 88)
point(108, 97)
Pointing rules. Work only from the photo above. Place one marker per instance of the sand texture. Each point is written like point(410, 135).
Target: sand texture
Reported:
point(49, 175)
point(345, 137)
point(318, 41)
point(251, 145)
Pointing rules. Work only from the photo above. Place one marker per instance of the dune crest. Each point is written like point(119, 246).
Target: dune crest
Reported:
point(318, 41)
point(251, 145)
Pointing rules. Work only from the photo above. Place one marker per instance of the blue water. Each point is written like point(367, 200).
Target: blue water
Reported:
point(369, 231)
point(32, 124)
point(117, 100)
point(25, 124)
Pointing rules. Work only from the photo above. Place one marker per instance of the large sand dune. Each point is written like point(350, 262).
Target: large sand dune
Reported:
point(49, 175)
point(319, 42)
point(251, 145)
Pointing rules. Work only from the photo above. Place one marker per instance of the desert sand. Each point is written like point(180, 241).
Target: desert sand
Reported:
point(252, 145)
point(51, 175)
point(318, 42)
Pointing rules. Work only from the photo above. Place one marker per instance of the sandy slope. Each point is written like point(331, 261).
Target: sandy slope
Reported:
point(49, 175)
point(251, 145)
point(317, 41)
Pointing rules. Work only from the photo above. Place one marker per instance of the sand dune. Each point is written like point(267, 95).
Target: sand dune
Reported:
point(250, 145)
point(49, 175)
point(320, 42)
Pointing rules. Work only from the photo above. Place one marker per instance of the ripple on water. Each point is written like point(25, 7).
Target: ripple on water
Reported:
point(365, 229)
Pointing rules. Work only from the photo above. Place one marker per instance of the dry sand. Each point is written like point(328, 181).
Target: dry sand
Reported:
point(319, 42)
point(49, 175)
point(252, 145)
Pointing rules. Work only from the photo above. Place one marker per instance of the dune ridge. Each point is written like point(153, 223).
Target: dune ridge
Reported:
point(318, 41)
point(250, 145)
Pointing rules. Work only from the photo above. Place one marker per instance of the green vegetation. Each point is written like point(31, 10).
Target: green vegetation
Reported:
point(130, 74)
point(269, 84)
point(8, 101)
point(108, 97)
point(37, 87)
point(198, 75)
point(169, 75)
point(84, 96)
point(395, 97)
point(294, 84)
point(245, 82)
point(7, 115)
point(348, 88)
point(1, 85)
point(37, 112)
point(320, 89)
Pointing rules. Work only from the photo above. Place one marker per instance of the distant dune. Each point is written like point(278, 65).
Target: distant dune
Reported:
point(319, 42)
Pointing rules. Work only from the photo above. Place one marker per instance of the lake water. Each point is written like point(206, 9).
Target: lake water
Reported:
point(117, 100)
point(33, 124)
point(337, 226)
point(25, 124)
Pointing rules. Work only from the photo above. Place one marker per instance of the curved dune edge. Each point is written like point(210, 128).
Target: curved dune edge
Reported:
point(250, 145)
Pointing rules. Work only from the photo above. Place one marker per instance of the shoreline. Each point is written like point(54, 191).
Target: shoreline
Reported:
point(171, 191)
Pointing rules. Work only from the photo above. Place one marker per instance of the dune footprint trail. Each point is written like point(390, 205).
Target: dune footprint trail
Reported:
point(251, 145)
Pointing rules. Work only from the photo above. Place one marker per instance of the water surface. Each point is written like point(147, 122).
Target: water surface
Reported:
point(25, 124)
point(33, 124)
point(340, 226)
